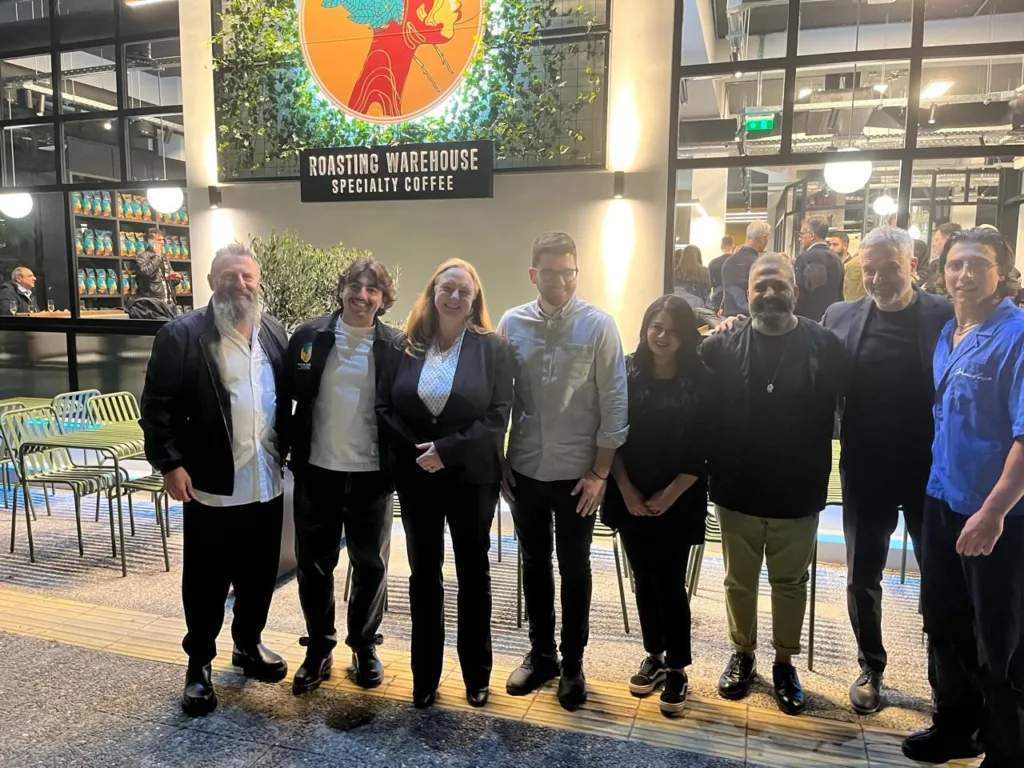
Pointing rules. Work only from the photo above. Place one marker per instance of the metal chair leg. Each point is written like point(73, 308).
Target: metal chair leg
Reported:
point(113, 538)
point(14, 514)
point(29, 514)
point(629, 571)
point(499, 531)
point(131, 514)
point(163, 535)
point(695, 567)
point(622, 588)
point(348, 578)
point(78, 520)
point(29, 501)
point(98, 506)
point(46, 498)
point(903, 562)
point(814, 594)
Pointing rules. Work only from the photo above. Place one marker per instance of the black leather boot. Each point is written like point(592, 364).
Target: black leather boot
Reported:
point(260, 663)
point(314, 670)
point(369, 670)
point(198, 698)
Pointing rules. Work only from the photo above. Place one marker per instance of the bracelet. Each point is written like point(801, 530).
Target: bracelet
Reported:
point(605, 478)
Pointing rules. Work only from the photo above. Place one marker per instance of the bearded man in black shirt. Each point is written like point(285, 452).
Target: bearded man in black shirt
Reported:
point(887, 430)
point(779, 378)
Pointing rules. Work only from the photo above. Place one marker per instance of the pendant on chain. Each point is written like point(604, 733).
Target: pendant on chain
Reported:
point(771, 388)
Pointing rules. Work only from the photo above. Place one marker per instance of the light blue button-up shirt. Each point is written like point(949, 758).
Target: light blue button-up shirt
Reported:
point(979, 409)
point(570, 389)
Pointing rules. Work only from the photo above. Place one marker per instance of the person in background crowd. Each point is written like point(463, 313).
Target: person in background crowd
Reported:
point(736, 271)
point(217, 431)
point(890, 339)
point(692, 281)
point(972, 577)
point(657, 498)
point(154, 270)
point(16, 295)
point(934, 281)
point(334, 364)
point(819, 271)
point(715, 271)
point(839, 242)
point(923, 255)
point(444, 402)
point(568, 419)
point(779, 377)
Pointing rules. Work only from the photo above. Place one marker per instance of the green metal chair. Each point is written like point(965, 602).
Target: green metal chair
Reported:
point(153, 485)
point(602, 531)
point(712, 534)
point(110, 410)
point(72, 408)
point(6, 459)
point(52, 466)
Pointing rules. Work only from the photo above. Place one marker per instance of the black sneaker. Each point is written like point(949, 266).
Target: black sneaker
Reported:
point(789, 694)
point(572, 686)
point(739, 674)
point(531, 674)
point(650, 675)
point(673, 698)
point(866, 692)
point(935, 745)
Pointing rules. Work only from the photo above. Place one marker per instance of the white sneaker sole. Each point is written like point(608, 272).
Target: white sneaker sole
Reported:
point(647, 690)
point(672, 709)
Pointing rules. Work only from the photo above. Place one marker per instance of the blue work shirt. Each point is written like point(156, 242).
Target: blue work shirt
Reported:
point(979, 409)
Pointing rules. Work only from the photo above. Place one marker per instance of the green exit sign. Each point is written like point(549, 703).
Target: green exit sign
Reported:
point(759, 124)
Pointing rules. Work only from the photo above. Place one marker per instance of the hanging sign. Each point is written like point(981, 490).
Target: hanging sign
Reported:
point(447, 171)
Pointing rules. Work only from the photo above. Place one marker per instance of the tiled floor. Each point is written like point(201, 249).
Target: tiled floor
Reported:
point(710, 727)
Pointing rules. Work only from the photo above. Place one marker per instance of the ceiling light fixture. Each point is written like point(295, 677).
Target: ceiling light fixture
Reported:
point(109, 126)
point(848, 176)
point(936, 89)
point(804, 93)
point(692, 204)
point(166, 200)
point(16, 205)
point(931, 116)
point(881, 87)
point(737, 75)
point(884, 205)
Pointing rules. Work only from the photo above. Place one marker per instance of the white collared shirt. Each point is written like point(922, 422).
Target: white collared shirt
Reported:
point(248, 377)
point(438, 376)
point(344, 419)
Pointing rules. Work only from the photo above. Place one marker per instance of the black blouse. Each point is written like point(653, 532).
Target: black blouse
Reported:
point(669, 435)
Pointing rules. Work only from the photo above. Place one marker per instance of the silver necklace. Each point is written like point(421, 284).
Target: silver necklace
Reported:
point(771, 382)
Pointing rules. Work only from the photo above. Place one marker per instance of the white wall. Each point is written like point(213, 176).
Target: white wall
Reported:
point(621, 242)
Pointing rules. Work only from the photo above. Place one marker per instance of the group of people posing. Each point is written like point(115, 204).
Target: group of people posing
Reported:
point(359, 410)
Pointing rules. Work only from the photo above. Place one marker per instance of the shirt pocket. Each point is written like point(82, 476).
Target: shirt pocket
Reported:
point(573, 363)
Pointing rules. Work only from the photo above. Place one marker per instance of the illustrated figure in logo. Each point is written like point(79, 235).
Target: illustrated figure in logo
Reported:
point(400, 29)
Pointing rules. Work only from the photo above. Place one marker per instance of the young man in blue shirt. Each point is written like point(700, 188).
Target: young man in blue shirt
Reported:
point(972, 572)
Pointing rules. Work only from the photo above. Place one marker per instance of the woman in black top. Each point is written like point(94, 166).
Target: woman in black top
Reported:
point(444, 403)
point(658, 495)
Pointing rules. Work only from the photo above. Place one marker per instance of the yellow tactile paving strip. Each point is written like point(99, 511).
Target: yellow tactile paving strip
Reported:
point(711, 727)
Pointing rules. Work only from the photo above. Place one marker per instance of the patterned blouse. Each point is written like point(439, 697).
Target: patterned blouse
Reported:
point(438, 376)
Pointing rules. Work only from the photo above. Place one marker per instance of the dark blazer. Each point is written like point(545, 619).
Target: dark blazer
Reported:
point(735, 280)
point(847, 320)
point(470, 431)
point(812, 304)
point(11, 296)
point(186, 411)
point(305, 361)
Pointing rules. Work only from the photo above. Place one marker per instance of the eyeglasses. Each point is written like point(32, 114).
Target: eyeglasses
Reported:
point(550, 275)
point(973, 266)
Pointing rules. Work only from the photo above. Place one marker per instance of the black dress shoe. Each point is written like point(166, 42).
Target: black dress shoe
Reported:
point(198, 698)
point(314, 670)
point(739, 673)
point(424, 700)
point(478, 698)
point(535, 670)
point(260, 663)
point(572, 685)
point(935, 745)
point(789, 694)
point(866, 692)
point(369, 670)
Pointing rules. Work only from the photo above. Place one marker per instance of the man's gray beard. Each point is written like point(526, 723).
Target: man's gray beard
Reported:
point(771, 321)
point(235, 312)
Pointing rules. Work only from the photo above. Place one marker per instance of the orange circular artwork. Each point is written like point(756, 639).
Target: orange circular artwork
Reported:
point(389, 61)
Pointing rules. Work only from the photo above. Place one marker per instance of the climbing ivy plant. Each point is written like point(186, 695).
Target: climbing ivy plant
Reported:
point(515, 91)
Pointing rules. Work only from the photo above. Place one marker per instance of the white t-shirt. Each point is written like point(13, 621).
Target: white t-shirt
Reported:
point(344, 420)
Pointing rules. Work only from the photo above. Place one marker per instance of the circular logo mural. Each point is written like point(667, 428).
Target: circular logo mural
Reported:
point(388, 61)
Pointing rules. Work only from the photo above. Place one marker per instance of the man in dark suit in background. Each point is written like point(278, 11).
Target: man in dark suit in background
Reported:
point(736, 271)
point(887, 430)
point(334, 364)
point(217, 431)
point(819, 271)
point(715, 271)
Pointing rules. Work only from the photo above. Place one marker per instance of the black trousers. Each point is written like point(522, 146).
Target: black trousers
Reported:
point(326, 502)
point(224, 546)
point(870, 515)
point(974, 614)
point(659, 560)
point(427, 503)
point(542, 512)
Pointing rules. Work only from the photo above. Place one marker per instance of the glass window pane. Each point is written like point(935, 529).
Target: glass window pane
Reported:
point(31, 157)
point(833, 26)
point(968, 101)
point(113, 363)
point(37, 241)
point(157, 146)
point(862, 105)
point(85, 20)
point(749, 120)
point(973, 21)
point(147, 17)
point(570, 14)
point(729, 30)
point(88, 80)
point(33, 364)
point(154, 73)
point(24, 24)
point(92, 151)
point(25, 86)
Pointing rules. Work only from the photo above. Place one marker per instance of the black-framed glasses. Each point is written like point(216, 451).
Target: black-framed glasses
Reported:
point(550, 275)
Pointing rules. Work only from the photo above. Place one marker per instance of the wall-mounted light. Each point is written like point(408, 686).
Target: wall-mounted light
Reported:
point(619, 185)
point(216, 198)
point(692, 204)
